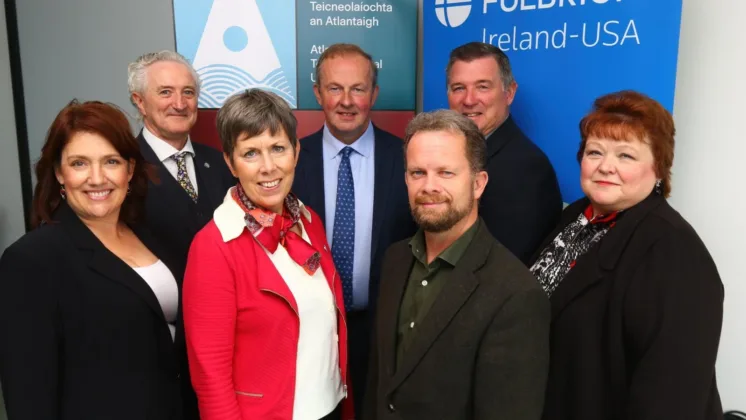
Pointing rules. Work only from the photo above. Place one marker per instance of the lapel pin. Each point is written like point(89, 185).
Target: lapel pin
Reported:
point(207, 165)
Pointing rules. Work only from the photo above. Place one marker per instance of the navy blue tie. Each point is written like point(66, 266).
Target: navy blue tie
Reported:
point(343, 235)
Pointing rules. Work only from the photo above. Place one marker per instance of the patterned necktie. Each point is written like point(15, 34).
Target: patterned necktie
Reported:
point(182, 176)
point(343, 235)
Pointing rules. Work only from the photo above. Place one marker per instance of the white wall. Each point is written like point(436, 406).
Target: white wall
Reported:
point(708, 181)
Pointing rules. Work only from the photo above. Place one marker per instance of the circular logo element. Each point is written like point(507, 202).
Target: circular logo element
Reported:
point(452, 13)
point(235, 38)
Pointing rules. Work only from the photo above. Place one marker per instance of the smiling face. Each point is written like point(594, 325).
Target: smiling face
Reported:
point(168, 104)
point(442, 189)
point(475, 90)
point(616, 175)
point(346, 94)
point(95, 177)
point(265, 166)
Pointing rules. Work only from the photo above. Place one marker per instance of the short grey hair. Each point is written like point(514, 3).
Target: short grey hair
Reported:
point(137, 70)
point(251, 113)
point(452, 122)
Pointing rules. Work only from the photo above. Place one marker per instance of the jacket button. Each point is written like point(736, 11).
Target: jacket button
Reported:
point(391, 407)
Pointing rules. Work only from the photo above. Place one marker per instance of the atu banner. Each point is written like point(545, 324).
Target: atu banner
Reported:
point(274, 45)
point(564, 54)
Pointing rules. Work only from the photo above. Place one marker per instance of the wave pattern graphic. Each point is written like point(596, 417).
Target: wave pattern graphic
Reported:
point(219, 81)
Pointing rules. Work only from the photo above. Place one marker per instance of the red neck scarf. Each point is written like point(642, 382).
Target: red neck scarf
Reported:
point(272, 229)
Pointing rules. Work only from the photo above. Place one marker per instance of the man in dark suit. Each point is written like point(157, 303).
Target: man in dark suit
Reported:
point(466, 333)
point(192, 178)
point(522, 202)
point(351, 173)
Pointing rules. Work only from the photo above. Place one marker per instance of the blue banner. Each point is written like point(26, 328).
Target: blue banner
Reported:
point(564, 54)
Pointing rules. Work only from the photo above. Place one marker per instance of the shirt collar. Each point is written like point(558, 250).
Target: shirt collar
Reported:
point(229, 217)
point(452, 254)
point(363, 146)
point(162, 149)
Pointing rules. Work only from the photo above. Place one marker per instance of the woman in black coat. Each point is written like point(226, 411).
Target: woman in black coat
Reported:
point(637, 301)
point(88, 302)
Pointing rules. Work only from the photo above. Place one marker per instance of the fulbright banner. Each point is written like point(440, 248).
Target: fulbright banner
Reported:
point(275, 44)
point(564, 54)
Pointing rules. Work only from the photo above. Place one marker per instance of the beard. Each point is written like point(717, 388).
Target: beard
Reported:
point(437, 221)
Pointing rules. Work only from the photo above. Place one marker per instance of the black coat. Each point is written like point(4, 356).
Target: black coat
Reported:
point(481, 352)
point(636, 323)
point(82, 336)
point(171, 215)
point(522, 202)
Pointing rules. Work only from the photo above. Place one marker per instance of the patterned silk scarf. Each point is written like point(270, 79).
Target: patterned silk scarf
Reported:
point(272, 229)
point(577, 238)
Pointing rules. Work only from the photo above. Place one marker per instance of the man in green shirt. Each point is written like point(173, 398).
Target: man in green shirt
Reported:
point(462, 326)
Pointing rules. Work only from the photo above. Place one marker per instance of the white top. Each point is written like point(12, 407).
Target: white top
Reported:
point(318, 381)
point(163, 283)
point(164, 151)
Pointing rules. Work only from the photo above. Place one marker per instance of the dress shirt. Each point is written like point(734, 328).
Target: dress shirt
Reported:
point(362, 163)
point(164, 151)
point(318, 380)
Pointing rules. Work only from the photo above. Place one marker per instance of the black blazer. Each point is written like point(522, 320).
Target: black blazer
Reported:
point(392, 220)
point(82, 336)
point(522, 202)
point(482, 352)
point(636, 323)
point(171, 215)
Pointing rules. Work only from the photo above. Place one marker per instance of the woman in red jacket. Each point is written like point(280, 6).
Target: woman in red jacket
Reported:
point(263, 305)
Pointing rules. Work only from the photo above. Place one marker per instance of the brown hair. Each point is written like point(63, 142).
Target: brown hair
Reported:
point(451, 121)
point(107, 121)
point(339, 50)
point(252, 112)
point(476, 50)
point(628, 115)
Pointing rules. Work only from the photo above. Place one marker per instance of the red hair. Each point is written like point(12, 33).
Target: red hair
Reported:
point(102, 119)
point(628, 116)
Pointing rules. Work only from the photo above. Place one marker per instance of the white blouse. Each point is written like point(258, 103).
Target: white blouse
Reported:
point(163, 283)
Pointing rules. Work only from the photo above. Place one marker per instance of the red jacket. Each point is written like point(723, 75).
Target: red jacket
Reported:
point(242, 326)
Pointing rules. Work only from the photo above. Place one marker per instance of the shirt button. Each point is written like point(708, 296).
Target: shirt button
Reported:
point(411, 324)
point(424, 282)
point(391, 407)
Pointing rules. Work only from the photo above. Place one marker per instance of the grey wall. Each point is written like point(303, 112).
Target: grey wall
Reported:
point(80, 49)
point(11, 205)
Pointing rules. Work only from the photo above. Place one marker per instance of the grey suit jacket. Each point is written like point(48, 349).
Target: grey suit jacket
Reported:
point(482, 352)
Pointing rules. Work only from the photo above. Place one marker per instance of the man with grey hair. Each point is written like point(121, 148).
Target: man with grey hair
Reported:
point(466, 331)
point(192, 178)
point(522, 204)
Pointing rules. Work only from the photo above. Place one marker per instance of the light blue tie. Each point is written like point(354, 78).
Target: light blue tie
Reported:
point(343, 235)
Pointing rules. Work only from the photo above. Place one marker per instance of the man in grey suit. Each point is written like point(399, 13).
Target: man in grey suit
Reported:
point(462, 330)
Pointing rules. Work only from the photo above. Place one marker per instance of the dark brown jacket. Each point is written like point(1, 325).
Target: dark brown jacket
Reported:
point(480, 353)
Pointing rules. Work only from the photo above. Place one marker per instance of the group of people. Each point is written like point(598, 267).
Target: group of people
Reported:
point(352, 274)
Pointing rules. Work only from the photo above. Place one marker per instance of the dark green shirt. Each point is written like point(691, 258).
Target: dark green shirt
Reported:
point(425, 282)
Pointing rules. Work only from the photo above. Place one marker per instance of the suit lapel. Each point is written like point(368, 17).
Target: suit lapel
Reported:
point(602, 258)
point(394, 276)
point(500, 137)
point(457, 289)
point(313, 174)
point(384, 171)
point(104, 262)
point(209, 195)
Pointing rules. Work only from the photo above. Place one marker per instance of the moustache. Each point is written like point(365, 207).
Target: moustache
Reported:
point(431, 199)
